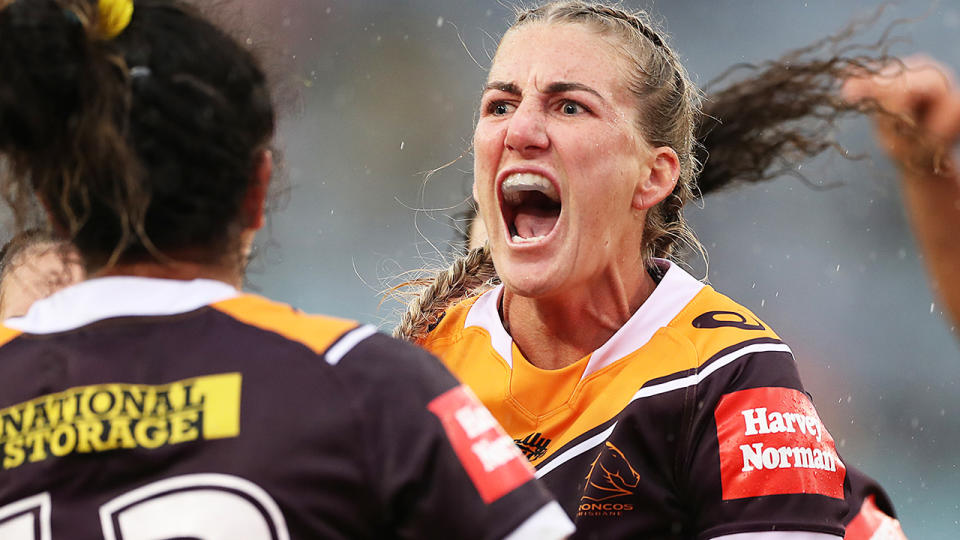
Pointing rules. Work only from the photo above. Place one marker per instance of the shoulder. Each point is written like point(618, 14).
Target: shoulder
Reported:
point(342, 342)
point(450, 327)
point(451, 322)
point(716, 325)
point(8, 334)
point(316, 332)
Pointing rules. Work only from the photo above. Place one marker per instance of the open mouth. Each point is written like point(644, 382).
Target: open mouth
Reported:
point(531, 206)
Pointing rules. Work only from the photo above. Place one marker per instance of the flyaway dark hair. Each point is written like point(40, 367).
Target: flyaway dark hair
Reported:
point(139, 146)
point(768, 117)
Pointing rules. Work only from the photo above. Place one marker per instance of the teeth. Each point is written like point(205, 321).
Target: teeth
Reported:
point(521, 240)
point(515, 184)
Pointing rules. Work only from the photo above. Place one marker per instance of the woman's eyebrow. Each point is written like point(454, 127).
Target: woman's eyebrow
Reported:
point(560, 87)
point(508, 87)
point(553, 88)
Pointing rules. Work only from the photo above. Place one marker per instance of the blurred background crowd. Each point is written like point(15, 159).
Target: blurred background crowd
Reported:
point(376, 93)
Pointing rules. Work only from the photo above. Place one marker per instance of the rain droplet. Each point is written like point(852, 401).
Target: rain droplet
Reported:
point(439, 22)
point(401, 145)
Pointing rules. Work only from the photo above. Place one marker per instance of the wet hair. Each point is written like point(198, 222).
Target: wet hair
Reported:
point(767, 116)
point(140, 147)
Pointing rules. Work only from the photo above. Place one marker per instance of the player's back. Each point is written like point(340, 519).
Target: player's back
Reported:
point(185, 410)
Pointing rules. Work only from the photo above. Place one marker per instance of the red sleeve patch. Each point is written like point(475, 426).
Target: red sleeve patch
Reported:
point(773, 443)
point(488, 454)
point(871, 523)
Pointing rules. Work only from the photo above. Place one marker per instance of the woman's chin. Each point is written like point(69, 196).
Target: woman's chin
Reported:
point(531, 280)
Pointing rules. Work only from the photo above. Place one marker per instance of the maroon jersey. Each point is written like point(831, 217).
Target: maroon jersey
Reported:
point(690, 422)
point(132, 407)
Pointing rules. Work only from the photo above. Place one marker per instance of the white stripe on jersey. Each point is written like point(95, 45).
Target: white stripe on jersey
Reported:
point(550, 522)
point(657, 389)
point(669, 298)
point(778, 535)
point(346, 343)
point(118, 296)
point(576, 451)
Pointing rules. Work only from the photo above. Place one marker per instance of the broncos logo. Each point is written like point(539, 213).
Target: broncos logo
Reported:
point(610, 476)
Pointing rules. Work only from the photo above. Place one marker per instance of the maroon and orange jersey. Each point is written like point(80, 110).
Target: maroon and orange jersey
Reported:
point(134, 408)
point(690, 422)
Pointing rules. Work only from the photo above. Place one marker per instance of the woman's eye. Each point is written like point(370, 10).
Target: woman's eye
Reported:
point(498, 108)
point(571, 108)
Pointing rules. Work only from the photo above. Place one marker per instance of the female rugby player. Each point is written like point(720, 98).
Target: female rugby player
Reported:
point(651, 405)
point(156, 400)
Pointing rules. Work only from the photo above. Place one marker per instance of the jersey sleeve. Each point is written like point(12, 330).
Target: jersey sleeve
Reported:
point(439, 463)
point(759, 457)
point(871, 512)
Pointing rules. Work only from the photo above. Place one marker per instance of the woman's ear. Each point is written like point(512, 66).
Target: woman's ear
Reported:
point(664, 166)
point(254, 204)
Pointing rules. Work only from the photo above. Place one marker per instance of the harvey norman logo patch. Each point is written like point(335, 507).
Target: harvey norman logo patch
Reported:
point(97, 418)
point(772, 443)
point(488, 454)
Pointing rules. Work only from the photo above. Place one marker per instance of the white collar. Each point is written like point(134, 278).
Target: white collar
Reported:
point(672, 294)
point(120, 296)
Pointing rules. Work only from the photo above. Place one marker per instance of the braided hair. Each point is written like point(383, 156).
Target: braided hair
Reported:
point(780, 112)
point(138, 129)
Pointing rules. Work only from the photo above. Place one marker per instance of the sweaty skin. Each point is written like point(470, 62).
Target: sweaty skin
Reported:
point(556, 106)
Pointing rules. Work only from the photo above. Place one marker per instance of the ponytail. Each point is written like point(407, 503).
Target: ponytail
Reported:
point(137, 126)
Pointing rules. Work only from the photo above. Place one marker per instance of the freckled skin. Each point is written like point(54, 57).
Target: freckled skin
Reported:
point(557, 104)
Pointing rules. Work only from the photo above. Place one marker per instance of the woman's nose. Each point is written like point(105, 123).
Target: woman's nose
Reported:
point(527, 129)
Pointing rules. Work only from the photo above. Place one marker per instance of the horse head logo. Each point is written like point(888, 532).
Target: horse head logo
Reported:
point(611, 475)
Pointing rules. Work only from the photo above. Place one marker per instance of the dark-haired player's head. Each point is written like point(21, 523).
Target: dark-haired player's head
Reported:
point(145, 138)
point(34, 265)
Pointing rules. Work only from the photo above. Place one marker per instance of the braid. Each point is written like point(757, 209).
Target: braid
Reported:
point(632, 20)
point(751, 130)
point(467, 276)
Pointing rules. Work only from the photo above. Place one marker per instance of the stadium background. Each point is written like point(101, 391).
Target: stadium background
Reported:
point(379, 91)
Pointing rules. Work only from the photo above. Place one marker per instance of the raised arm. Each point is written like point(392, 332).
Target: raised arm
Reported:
point(926, 94)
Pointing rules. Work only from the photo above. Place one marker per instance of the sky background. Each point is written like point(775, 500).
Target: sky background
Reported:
point(377, 93)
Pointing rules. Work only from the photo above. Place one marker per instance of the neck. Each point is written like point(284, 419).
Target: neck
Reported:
point(556, 331)
point(179, 270)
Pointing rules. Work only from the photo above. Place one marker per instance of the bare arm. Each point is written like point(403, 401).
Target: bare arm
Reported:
point(926, 94)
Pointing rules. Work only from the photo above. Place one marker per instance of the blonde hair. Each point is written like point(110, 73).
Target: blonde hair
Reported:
point(783, 112)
